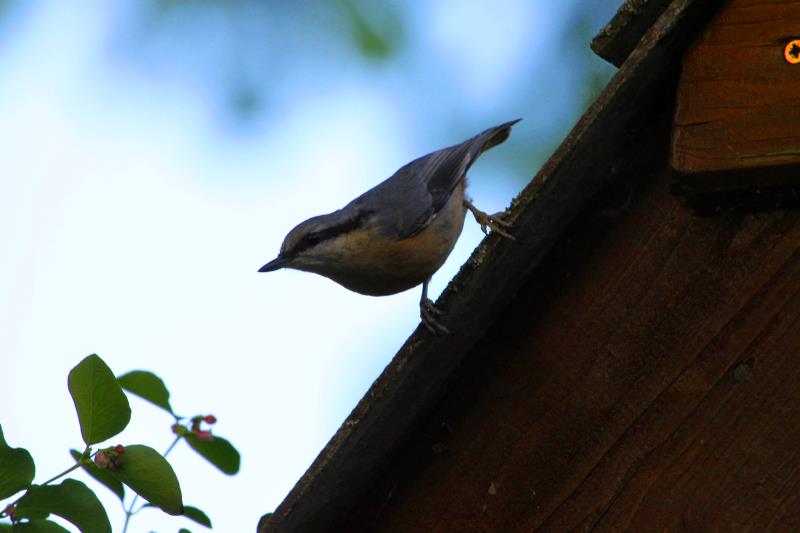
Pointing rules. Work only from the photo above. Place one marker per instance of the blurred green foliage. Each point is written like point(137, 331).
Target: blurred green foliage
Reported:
point(242, 52)
point(377, 33)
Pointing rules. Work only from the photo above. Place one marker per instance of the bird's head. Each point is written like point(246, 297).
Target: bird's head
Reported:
point(314, 243)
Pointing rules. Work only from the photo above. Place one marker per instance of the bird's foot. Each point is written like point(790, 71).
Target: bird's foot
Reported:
point(495, 222)
point(428, 313)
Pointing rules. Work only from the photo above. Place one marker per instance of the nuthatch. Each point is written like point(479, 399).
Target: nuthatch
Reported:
point(397, 234)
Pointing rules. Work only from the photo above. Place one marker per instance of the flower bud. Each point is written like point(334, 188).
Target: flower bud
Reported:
point(102, 460)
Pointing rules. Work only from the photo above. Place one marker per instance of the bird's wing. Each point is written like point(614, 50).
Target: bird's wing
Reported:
point(410, 199)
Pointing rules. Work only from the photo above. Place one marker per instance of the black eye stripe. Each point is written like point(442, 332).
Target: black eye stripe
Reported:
point(304, 244)
point(315, 237)
point(310, 240)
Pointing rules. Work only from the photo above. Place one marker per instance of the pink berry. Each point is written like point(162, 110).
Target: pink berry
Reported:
point(202, 434)
point(210, 419)
point(119, 448)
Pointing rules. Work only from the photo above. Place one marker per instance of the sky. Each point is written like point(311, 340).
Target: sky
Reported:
point(152, 162)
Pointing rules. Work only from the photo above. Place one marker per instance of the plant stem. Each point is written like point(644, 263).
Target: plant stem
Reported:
point(64, 473)
point(68, 470)
point(128, 515)
point(172, 445)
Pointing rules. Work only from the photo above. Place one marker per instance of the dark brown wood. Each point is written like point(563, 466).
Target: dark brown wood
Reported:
point(619, 37)
point(591, 156)
point(645, 379)
point(738, 105)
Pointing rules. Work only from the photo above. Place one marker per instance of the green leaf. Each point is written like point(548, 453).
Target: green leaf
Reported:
point(193, 513)
point(71, 500)
point(376, 32)
point(102, 475)
point(5, 528)
point(148, 386)
point(103, 408)
point(184, 530)
point(37, 526)
point(37, 513)
point(371, 42)
point(218, 451)
point(150, 475)
point(16, 468)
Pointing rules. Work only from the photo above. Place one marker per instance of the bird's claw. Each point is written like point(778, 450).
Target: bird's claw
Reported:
point(494, 222)
point(428, 313)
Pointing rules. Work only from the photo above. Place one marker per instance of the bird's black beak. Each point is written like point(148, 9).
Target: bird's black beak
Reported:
point(275, 264)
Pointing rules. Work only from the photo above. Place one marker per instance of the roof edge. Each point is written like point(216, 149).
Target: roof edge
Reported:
point(619, 37)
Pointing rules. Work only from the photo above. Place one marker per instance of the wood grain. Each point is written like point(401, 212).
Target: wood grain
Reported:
point(738, 104)
point(645, 379)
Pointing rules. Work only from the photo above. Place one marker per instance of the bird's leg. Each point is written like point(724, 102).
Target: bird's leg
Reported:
point(428, 312)
point(491, 221)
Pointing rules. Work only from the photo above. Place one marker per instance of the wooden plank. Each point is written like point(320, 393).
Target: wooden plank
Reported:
point(619, 37)
point(645, 379)
point(607, 134)
point(738, 102)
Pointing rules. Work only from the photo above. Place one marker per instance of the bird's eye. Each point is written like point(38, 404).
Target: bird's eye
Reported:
point(307, 241)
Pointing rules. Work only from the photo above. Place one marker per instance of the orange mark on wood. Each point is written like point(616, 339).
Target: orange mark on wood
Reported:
point(792, 52)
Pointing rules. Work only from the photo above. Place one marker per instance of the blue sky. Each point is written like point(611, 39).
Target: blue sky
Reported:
point(136, 205)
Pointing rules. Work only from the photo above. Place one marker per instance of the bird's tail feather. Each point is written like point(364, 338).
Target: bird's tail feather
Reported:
point(496, 135)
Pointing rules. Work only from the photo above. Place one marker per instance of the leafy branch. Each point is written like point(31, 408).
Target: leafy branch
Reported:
point(103, 412)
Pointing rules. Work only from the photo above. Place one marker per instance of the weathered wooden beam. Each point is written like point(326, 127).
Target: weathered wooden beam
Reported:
point(738, 105)
point(619, 37)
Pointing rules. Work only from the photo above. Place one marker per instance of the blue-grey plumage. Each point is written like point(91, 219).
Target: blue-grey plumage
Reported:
point(397, 234)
